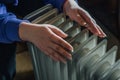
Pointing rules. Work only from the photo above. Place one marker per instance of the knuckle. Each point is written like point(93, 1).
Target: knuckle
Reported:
point(57, 47)
point(50, 36)
point(64, 53)
point(59, 41)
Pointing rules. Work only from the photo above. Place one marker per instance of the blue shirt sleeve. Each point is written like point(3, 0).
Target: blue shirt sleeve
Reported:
point(14, 2)
point(56, 3)
point(9, 28)
point(9, 23)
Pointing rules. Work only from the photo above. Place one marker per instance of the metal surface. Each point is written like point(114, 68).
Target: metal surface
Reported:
point(90, 60)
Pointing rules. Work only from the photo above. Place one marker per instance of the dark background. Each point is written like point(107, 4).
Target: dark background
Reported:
point(105, 11)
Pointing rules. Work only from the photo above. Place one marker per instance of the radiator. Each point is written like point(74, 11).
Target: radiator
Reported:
point(91, 60)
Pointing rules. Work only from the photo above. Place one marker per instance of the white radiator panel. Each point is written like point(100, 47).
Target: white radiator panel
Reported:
point(90, 60)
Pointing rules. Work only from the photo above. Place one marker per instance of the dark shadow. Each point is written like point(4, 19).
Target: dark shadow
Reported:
point(25, 76)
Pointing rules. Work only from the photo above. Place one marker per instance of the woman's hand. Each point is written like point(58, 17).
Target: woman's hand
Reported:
point(48, 39)
point(78, 14)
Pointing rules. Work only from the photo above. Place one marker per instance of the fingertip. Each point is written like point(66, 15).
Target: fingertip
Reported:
point(60, 33)
point(84, 23)
point(69, 48)
point(104, 35)
point(70, 57)
point(97, 32)
point(100, 35)
point(64, 35)
point(72, 50)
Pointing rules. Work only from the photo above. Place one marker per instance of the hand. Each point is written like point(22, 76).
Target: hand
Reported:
point(78, 14)
point(48, 39)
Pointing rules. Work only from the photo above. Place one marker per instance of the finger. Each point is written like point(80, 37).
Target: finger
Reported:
point(93, 30)
point(80, 20)
point(58, 32)
point(102, 33)
point(89, 22)
point(61, 51)
point(59, 57)
point(55, 56)
point(58, 40)
point(50, 53)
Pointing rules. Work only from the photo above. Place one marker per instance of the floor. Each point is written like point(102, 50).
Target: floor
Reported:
point(23, 63)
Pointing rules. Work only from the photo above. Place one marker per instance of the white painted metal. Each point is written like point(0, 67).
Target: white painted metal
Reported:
point(90, 59)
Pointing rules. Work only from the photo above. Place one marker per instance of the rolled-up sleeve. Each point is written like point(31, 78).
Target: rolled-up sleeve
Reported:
point(9, 28)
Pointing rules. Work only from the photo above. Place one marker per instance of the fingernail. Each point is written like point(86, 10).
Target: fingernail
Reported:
point(84, 23)
point(104, 36)
point(66, 34)
point(69, 56)
point(72, 51)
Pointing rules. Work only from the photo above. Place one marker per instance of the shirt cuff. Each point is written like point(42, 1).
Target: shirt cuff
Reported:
point(59, 4)
point(12, 29)
point(56, 3)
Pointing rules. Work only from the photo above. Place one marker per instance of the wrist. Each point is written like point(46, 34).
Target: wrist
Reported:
point(65, 5)
point(68, 4)
point(24, 29)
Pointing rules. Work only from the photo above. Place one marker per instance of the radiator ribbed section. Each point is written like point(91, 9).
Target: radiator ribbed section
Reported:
point(90, 60)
